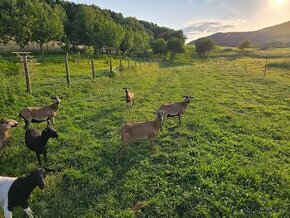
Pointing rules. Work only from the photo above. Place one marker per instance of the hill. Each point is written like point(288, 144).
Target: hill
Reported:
point(274, 36)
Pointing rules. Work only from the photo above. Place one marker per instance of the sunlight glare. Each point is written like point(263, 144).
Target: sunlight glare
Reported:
point(278, 4)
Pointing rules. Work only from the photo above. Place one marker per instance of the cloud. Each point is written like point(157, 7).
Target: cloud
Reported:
point(204, 28)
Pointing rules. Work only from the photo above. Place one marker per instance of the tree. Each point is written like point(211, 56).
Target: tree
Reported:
point(159, 46)
point(110, 36)
point(47, 27)
point(245, 44)
point(203, 46)
point(127, 42)
point(86, 25)
point(16, 20)
point(140, 44)
point(174, 46)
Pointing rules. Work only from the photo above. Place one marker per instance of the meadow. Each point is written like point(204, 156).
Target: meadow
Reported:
point(229, 158)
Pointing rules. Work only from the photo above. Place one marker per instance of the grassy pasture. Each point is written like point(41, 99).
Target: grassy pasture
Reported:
point(230, 157)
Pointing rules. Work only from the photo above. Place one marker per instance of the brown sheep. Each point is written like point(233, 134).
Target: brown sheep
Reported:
point(176, 109)
point(129, 97)
point(40, 114)
point(5, 125)
point(142, 130)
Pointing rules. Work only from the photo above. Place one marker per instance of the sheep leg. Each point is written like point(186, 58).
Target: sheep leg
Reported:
point(151, 145)
point(26, 125)
point(50, 121)
point(38, 159)
point(179, 118)
point(28, 211)
point(120, 151)
point(45, 156)
point(7, 212)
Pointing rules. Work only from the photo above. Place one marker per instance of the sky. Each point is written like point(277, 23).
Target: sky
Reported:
point(198, 18)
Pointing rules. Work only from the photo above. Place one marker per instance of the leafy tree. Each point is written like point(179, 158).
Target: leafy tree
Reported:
point(86, 25)
point(16, 20)
point(203, 46)
point(110, 36)
point(245, 44)
point(159, 46)
point(127, 42)
point(47, 27)
point(141, 44)
point(174, 46)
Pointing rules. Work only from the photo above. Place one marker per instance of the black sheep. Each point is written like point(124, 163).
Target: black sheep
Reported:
point(38, 142)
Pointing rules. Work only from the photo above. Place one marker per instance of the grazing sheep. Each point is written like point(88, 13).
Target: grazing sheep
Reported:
point(176, 109)
point(40, 114)
point(143, 130)
point(38, 142)
point(129, 97)
point(5, 125)
point(14, 192)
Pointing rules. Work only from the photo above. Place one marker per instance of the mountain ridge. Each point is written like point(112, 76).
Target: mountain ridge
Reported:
point(273, 36)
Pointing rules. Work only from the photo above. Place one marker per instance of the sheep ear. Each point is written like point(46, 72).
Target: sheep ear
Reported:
point(2, 121)
point(53, 97)
point(184, 96)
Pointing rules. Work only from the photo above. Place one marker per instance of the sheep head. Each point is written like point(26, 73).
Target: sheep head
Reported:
point(187, 98)
point(56, 99)
point(8, 123)
point(160, 115)
point(38, 176)
point(50, 132)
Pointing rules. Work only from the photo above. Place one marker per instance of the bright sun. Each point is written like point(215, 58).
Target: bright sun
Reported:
point(278, 3)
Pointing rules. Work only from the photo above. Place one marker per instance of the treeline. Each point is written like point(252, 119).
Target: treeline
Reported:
point(94, 29)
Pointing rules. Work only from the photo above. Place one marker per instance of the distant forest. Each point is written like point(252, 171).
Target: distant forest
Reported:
point(72, 25)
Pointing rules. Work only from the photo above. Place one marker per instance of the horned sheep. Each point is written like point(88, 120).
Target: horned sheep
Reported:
point(176, 109)
point(40, 114)
point(141, 130)
point(129, 97)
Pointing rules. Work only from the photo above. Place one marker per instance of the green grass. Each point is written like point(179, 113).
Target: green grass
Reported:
point(229, 158)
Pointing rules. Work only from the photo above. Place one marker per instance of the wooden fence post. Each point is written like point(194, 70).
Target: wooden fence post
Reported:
point(111, 66)
point(28, 85)
point(265, 71)
point(67, 70)
point(93, 68)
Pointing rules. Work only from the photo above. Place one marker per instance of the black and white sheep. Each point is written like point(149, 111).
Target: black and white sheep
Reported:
point(40, 114)
point(38, 142)
point(5, 125)
point(15, 192)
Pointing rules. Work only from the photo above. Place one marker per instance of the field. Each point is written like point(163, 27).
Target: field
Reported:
point(229, 158)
